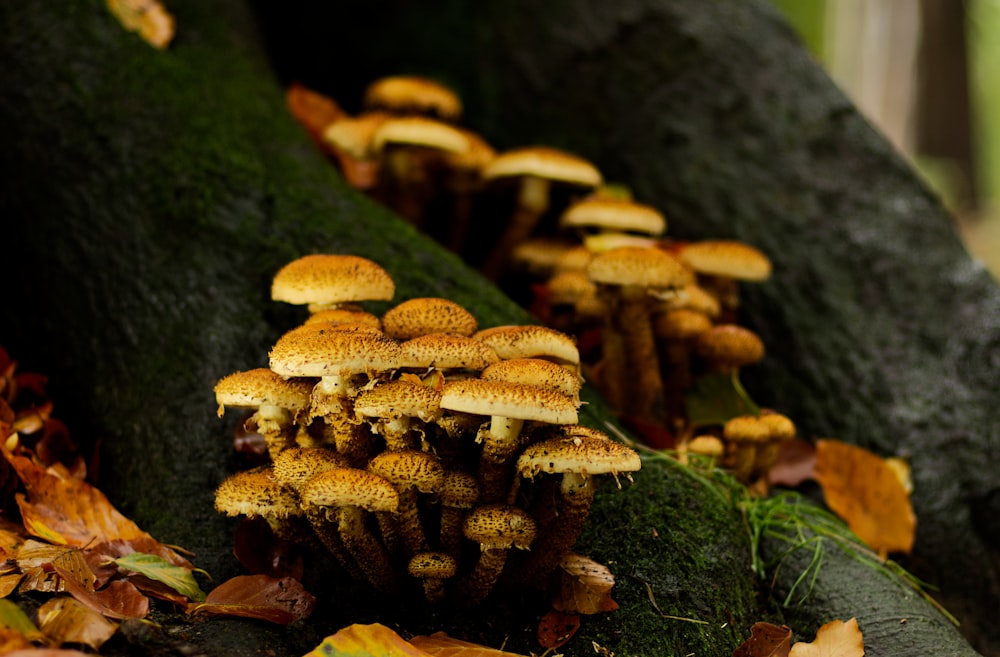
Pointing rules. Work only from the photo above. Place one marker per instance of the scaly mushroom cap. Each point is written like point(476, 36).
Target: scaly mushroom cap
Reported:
point(445, 351)
point(325, 350)
point(511, 400)
point(544, 162)
point(746, 429)
point(425, 315)
point(730, 345)
point(331, 279)
point(781, 427)
point(350, 487)
point(727, 258)
point(640, 267)
point(538, 256)
point(432, 565)
point(257, 387)
point(535, 372)
point(680, 324)
point(459, 489)
point(614, 214)
point(410, 468)
point(412, 94)
point(295, 466)
point(569, 287)
point(399, 398)
point(419, 131)
point(500, 526)
point(530, 341)
point(580, 454)
point(355, 135)
point(340, 316)
point(254, 493)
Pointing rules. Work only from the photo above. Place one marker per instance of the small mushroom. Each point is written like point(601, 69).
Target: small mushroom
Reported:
point(721, 265)
point(603, 223)
point(535, 372)
point(532, 341)
point(411, 472)
point(497, 528)
point(675, 332)
point(433, 569)
point(397, 410)
point(459, 493)
point(725, 348)
point(412, 94)
point(425, 315)
point(256, 493)
point(327, 280)
point(351, 140)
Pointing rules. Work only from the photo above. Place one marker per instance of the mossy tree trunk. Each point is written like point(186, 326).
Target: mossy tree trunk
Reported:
point(149, 196)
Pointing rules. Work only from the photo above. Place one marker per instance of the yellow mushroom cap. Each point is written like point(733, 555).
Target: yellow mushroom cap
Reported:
point(512, 400)
point(780, 426)
point(727, 258)
point(730, 345)
point(746, 429)
point(536, 372)
point(706, 445)
point(569, 287)
point(345, 316)
point(350, 487)
point(614, 214)
point(331, 279)
point(260, 386)
point(581, 454)
point(500, 526)
point(404, 94)
point(355, 135)
point(324, 350)
point(419, 131)
point(530, 341)
point(544, 162)
point(638, 266)
point(421, 316)
point(459, 489)
point(538, 256)
point(446, 351)
point(294, 466)
point(254, 493)
point(399, 398)
point(410, 468)
point(680, 324)
point(432, 565)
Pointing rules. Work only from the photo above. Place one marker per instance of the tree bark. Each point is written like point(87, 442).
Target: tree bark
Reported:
point(149, 197)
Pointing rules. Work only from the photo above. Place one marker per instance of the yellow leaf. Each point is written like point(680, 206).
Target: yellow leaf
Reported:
point(835, 639)
point(147, 17)
point(867, 494)
point(440, 644)
point(375, 640)
point(66, 620)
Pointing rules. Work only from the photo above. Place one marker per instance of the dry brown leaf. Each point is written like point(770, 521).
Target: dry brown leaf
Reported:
point(149, 18)
point(11, 640)
point(120, 599)
point(64, 620)
point(835, 639)
point(312, 110)
point(867, 494)
point(795, 464)
point(556, 628)
point(278, 600)
point(584, 586)
point(766, 640)
point(440, 644)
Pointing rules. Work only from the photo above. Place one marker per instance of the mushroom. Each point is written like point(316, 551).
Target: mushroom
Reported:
point(445, 354)
point(350, 139)
point(337, 501)
point(752, 444)
point(257, 493)
point(508, 405)
point(432, 569)
point(721, 265)
point(342, 316)
point(277, 402)
point(425, 315)
point(532, 341)
point(628, 279)
point(705, 446)
point(675, 332)
point(397, 409)
point(496, 528)
point(598, 219)
point(412, 94)
point(459, 492)
point(578, 454)
point(725, 348)
point(573, 304)
point(411, 472)
point(535, 168)
point(536, 372)
point(326, 280)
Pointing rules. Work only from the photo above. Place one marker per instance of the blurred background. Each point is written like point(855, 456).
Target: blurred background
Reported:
point(927, 73)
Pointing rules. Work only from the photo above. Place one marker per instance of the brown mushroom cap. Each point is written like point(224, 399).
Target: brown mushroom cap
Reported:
point(459, 489)
point(406, 94)
point(544, 162)
point(323, 350)
point(538, 256)
point(695, 297)
point(420, 131)
point(574, 259)
point(680, 324)
point(432, 565)
point(536, 372)
point(510, 400)
point(260, 386)
point(342, 316)
point(410, 468)
point(727, 258)
point(640, 267)
point(500, 526)
point(746, 429)
point(254, 493)
point(614, 214)
point(446, 351)
point(730, 345)
point(780, 426)
point(399, 398)
point(350, 487)
point(425, 315)
point(530, 341)
point(331, 279)
point(295, 466)
point(580, 454)
point(569, 287)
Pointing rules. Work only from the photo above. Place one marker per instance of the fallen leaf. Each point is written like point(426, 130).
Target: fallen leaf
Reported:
point(796, 463)
point(12, 641)
point(157, 568)
point(374, 640)
point(65, 620)
point(584, 586)
point(766, 640)
point(120, 599)
point(14, 618)
point(278, 600)
point(262, 553)
point(147, 17)
point(556, 628)
point(440, 644)
point(313, 110)
point(867, 494)
point(835, 639)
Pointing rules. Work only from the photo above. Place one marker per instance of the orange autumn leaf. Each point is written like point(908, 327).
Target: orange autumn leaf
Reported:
point(149, 18)
point(374, 640)
point(867, 494)
point(65, 620)
point(584, 586)
point(766, 640)
point(277, 600)
point(312, 110)
point(440, 644)
point(556, 628)
point(835, 639)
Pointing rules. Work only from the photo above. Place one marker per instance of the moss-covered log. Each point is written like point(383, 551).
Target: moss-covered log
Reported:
point(149, 197)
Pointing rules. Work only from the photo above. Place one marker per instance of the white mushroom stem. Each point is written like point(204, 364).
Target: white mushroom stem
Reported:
point(277, 426)
point(331, 394)
point(500, 443)
point(396, 432)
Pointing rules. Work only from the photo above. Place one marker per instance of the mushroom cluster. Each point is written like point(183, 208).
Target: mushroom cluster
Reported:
point(417, 448)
